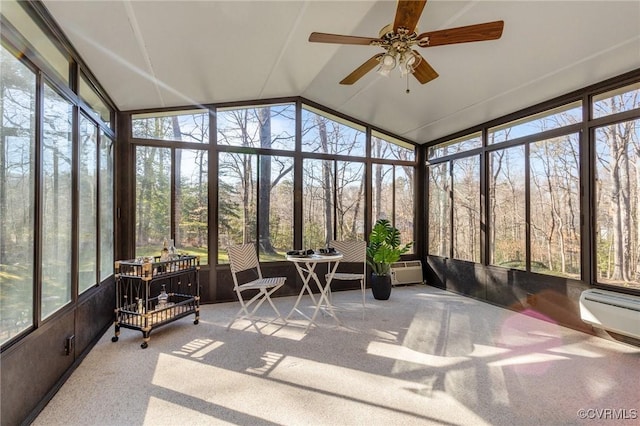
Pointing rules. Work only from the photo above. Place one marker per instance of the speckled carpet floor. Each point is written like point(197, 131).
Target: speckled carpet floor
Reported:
point(424, 356)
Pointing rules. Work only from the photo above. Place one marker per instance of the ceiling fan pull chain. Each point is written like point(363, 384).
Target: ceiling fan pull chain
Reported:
point(407, 92)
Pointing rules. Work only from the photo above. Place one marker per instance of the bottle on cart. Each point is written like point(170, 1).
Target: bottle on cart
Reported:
point(163, 298)
point(140, 306)
point(173, 252)
point(164, 254)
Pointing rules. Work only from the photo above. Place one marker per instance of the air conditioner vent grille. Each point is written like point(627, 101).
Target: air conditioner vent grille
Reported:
point(409, 272)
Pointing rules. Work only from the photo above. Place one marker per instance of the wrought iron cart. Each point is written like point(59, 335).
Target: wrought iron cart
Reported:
point(151, 293)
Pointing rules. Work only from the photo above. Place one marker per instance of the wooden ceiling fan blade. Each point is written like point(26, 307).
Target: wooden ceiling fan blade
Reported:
point(362, 70)
point(340, 39)
point(466, 34)
point(408, 14)
point(423, 72)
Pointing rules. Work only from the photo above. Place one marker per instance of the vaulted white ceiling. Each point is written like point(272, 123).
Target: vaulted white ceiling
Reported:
point(151, 54)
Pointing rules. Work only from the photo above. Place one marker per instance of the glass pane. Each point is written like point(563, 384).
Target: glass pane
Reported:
point(615, 101)
point(40, 41)
point(317, 203)
point(617, 204)
point(555, 206)
point(106, 207)
point(466, 209)
point(57, 160)
point(382, 191)
point(455, 146)
point(153, 199)
point(404, 196)
point(326, 134)
point(17, 200)
point(547, 120)
point(268, 126)
point(439, 210)
point(192, 203)
point(237, 204)
point(507, 208)
point(276, 204)
point(350, 203)
point(101, 111)
point(88, 218)
point(182, 126)
point(383, 146)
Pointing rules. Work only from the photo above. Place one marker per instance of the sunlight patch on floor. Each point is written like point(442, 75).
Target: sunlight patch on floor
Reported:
point(163, 412)
point(298, 383)
point(402, 353)
point(193, 346)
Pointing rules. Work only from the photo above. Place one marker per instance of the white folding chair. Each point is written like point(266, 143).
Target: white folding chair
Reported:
point(243, 258)
point(353, 252)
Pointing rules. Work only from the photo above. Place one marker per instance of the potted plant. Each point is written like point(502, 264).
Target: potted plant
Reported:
point(383, 249)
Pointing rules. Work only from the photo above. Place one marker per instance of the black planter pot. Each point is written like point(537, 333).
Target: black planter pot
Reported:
point(381, 286)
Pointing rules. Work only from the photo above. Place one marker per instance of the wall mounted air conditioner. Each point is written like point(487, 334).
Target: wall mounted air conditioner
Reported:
point(406, 272)
point(617, 312)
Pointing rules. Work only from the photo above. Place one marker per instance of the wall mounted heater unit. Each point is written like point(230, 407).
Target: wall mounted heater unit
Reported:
point(406, 272)
point(617, 312)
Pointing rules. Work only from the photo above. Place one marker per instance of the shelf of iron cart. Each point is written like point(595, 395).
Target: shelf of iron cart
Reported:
point(130, 318)
point(157, 268)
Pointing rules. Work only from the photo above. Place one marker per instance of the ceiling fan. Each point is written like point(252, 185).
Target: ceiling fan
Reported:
point(399, 38)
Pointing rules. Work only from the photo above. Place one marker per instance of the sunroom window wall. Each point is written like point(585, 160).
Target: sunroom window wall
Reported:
point(540, 172)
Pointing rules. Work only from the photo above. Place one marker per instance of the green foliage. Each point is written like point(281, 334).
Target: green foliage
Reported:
point(384, 247)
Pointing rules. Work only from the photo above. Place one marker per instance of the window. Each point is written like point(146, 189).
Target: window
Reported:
point(191, 203)
point(612, 102)
point(57, 176)
point(350, 205)
point(237, 204)
point(52, 56)
point(57, 193)
point(386, 147)
point(100, 110)
point(255, 204)
point(325, 134)
point(439, 210)
point(454, 209)
point(617, 204)
point(182, 126)
point(393, 198)
point(153, 199)
point(88, 199)
point(333, 198)
point(268, 126)
point(275, 207)
point(466, 208)
point(106, 206)
point(317, 203)
point(555, 206)
point(404, 196)
point(465, 143)
point(382, 192)
point(17, 195)
point(507, 224)
point(547, 120)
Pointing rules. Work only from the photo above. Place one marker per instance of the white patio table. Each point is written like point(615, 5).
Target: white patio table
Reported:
point(306, 265)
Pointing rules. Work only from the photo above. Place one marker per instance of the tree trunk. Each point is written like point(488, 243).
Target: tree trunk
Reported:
point(264, 187)
point(177, 205)
point(619, 205)
point(377, 183)
point(326, 180)
point(4, 223)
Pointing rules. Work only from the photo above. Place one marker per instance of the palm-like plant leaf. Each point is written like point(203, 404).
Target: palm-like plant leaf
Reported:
point(384, 247)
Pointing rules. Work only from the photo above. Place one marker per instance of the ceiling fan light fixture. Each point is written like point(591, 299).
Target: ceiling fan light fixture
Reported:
point(387, 63)
point(411, 60)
